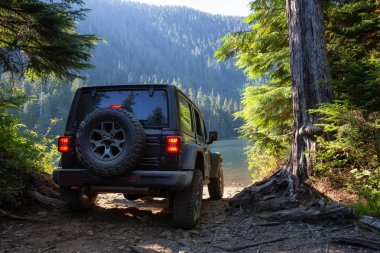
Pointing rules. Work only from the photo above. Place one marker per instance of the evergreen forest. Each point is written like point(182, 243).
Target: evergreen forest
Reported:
point(146, 44)
point(348, 153)
point(240, 71)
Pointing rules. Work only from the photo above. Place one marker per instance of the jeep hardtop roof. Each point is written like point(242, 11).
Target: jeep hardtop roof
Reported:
point(137, 86)
point(125, 86)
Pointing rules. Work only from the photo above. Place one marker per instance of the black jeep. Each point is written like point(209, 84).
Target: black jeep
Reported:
point(138, 140)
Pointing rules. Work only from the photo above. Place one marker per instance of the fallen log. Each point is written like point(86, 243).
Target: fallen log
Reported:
point(246, 246)
point(366, 243)
point(334, 211)
point(47, 201)
point(370, 223)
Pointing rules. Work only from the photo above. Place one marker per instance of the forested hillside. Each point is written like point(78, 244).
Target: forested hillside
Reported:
point(159, 44)
point(148, 44)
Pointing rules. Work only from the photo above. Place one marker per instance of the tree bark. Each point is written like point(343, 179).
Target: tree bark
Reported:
point(310, 79)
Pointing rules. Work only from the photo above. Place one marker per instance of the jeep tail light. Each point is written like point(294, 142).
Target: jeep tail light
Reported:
point(117, 106)
point(64, 144)
point(172, 144)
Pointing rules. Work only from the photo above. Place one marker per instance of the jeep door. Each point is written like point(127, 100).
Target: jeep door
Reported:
point(201, 138)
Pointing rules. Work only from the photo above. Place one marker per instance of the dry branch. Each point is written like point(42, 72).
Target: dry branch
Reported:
point(266, 224)
point(240, 247)
point(367, 243)
point(138, 249)
point(47, 249)
point(16, 217)
point(370, 223)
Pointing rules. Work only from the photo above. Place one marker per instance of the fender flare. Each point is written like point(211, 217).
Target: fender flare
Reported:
point(216, 160)
point(190, 157)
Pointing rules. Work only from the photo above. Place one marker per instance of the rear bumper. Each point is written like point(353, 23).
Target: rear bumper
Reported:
point(172, 180)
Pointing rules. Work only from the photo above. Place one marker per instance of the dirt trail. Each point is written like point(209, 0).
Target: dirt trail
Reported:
point(118, 225)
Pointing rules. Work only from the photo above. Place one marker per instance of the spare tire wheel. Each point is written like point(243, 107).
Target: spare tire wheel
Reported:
point(110, 142)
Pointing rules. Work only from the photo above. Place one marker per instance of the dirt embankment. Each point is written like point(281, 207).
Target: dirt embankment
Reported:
point(118, 225)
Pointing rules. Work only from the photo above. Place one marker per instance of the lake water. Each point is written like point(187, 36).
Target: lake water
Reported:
point(235, 164)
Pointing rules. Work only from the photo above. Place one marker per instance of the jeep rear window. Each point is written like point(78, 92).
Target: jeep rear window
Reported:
point(152, 111)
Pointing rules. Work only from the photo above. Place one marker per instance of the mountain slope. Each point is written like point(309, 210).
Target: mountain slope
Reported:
point(148, 43)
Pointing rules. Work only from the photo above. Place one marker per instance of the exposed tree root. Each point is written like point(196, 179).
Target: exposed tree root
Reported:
point(302, 213)
point(46, 201)
point(258, 195)
point(275, 204)
point(281, 195)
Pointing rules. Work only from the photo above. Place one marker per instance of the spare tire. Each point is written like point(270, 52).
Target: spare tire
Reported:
point(110, 142)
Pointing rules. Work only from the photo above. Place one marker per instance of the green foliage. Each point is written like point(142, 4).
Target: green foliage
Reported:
point(38, 38)
point(11, 98)
point(264, 48)
point(21, 150)
point(355, 142)
point(267, 125)
point(263, 53)
point(354, 50)
point(352, 29)
point(351, 156)
point(367, 184)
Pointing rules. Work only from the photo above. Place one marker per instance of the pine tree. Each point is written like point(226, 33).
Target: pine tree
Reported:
point(263, 52)
point(311, 80)
point(38, 38)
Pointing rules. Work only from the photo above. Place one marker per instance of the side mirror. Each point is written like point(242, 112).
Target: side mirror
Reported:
point(213, 136)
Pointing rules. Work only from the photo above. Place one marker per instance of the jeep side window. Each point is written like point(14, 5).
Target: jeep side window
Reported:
point(204, 129)
point(185, 116)
point(198, 123)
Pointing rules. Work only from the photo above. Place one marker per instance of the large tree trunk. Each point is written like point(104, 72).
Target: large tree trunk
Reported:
point(310, 79)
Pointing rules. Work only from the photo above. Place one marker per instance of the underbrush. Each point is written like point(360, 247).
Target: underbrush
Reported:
point(350, 156)
point(348, 160)
point(23, 153)
point(267, 115)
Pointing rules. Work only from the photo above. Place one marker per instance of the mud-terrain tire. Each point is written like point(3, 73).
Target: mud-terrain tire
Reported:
point(110, 142)
point(188, 203)
point(78, 200)
point(216, 186)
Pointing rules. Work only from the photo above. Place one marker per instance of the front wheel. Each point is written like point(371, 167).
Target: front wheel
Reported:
point(78, 200)
point(216, 186)
point(187, 204)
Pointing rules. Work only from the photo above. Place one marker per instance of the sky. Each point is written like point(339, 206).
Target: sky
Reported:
point(223, 7)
